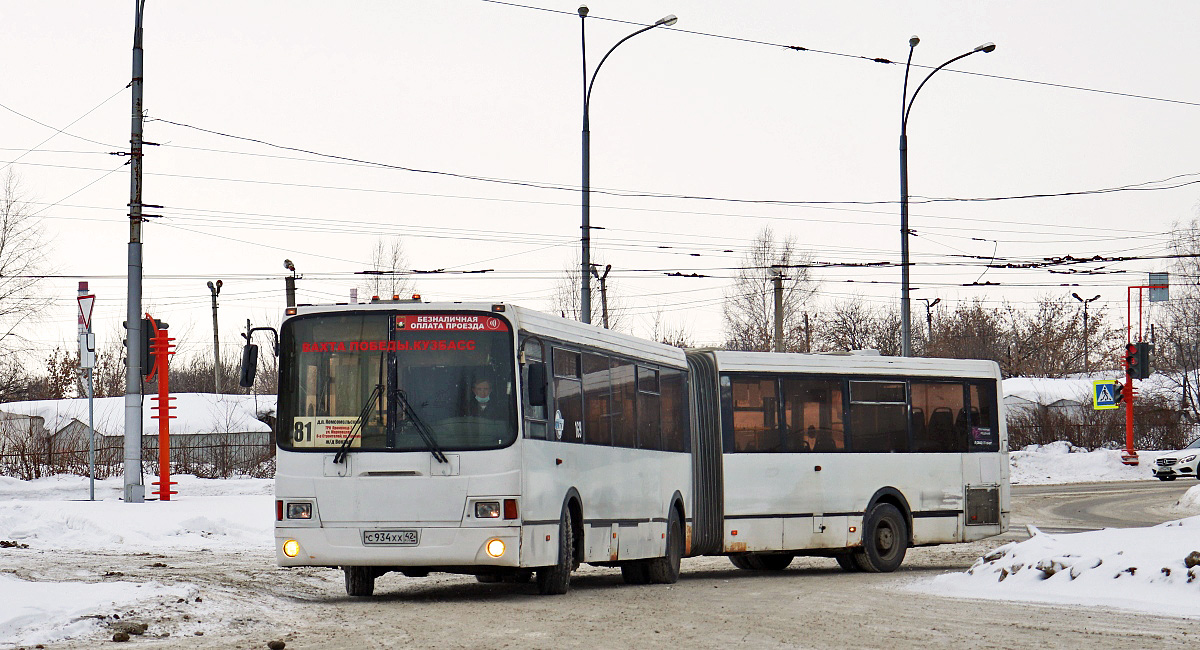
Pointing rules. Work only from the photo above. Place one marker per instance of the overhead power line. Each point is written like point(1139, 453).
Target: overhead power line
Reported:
point(872, 59)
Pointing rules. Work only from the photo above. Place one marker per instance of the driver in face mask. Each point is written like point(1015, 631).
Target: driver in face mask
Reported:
point(481, 404)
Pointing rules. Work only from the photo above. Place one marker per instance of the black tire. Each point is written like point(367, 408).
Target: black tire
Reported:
point(847, 563)
point(771, 561)
point(665, 570)
point(360, 580)
point(636, 572)
point(762, 561)
point(742, 561)
point(556, 579)
point(520, 577)
point(885, 540)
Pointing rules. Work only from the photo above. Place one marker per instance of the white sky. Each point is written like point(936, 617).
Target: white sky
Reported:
point(480, 88)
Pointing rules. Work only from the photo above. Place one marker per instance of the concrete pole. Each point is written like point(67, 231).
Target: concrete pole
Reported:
point(215, 290)
point(778, 280)
point(135, 490)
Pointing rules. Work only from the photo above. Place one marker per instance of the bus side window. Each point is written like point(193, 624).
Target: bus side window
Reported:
point(532, 371)
point(596, 388)
point(624, 426)
point(675, 432)
point(812, 411)
point(937, 417)
point(878, 416)
point(755, 409)
point(984, 432)
point(649, 409)
point(568, 396)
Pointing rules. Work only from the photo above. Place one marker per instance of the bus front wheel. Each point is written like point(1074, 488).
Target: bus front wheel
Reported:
point(360, 580)
point(885, 540)
point(665, 570)
point(556, 579)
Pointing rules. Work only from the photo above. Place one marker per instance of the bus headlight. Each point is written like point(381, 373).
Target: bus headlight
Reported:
point(291, 548)
point(495, 547)
point(299, 511)
point(487, 510)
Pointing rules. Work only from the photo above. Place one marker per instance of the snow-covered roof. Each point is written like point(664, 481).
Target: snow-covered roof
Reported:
point(194, 413)
point(1070, 391)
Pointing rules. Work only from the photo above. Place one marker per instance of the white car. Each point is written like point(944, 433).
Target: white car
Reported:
point(1178, 463)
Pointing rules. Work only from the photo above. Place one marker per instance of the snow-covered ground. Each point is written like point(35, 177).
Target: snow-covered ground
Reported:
point(222, 516)
point(1142, 568)
point(1059, 462)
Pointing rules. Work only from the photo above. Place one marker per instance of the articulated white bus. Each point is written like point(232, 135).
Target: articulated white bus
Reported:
point(497, 441)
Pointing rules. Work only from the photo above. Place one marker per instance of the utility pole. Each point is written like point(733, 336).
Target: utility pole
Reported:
point(215, 290)
point(807, 334)
point(778, 280)
point(289, 283)
point(135, 490)
point(603, 290)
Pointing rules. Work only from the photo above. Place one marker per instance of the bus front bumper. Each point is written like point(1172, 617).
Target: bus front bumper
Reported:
point(392, 546)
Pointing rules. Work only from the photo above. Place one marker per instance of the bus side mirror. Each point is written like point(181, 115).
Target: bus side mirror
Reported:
point(249, 365)
point(535, 375)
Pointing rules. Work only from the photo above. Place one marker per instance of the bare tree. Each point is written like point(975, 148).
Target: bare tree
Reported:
point(1177, 344)
point(749, 309)
point(23, 259)
point(678, 335)
point(565, 299)
point(853, 324)
point(388, 263)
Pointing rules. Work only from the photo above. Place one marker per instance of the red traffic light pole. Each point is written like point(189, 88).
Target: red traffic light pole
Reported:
point(1129, 456)
point(163, 348)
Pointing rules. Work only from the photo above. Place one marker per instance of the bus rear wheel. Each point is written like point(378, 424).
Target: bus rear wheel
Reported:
point(885, 540)
point(762, 561)
point(556, 579)
point(635, 572)
point(846, 562)
point(360, 580)
point(665, 570)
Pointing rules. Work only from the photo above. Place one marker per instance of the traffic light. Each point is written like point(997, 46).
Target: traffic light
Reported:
point(1131, 360)
point(147, 357)
point(1120, 396)
point(1137, 359)
point(1143, 359)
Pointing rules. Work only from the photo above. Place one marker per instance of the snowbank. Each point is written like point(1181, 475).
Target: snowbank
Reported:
point(53, 513)
point(43, 612)
point(1154, 569)
point(1060, 462)
point(194, 413)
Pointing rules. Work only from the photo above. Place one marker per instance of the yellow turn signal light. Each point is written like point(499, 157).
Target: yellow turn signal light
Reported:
point(495, 547)
point(291, 548)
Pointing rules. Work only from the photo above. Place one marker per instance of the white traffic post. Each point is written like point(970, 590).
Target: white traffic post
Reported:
point(87, 364)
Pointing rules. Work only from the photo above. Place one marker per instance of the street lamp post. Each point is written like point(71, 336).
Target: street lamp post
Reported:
point(929, 320)
point(1086, 365)
point(585, 292)
point(906, 108)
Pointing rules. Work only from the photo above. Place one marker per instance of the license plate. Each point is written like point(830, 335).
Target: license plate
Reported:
point(391, 537)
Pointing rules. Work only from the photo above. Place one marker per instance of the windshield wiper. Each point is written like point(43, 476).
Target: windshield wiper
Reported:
point(344, 448)
point(420, 426)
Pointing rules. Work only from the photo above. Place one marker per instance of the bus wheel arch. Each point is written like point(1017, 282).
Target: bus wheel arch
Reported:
point(556, 578)
point(896, 498)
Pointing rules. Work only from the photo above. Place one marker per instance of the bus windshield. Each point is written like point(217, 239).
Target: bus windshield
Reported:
point(452, 371)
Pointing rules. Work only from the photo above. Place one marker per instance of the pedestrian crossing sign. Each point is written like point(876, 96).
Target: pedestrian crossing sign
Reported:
point(1104, 394)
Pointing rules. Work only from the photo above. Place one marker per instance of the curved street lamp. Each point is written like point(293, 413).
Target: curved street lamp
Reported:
point(906, 108)
point(585, 293)
point(1087, 370)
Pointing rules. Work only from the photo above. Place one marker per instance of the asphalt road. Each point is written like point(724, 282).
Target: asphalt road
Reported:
point(248, 601)
point(1092, 506)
